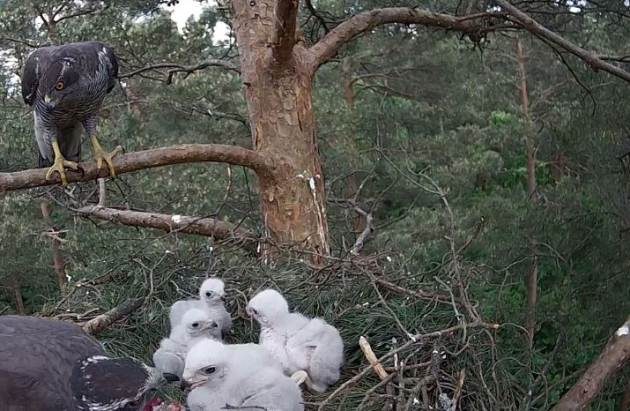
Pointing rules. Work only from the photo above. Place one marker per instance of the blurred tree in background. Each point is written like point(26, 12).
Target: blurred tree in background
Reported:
point(431, 225)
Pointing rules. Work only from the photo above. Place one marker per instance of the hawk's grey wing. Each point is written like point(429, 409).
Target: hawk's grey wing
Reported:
point(30, 76)
point(114, 64)
point(37, 357)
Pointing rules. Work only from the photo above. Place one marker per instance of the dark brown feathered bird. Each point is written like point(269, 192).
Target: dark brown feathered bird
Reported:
point(66, 86)
point(49, 365)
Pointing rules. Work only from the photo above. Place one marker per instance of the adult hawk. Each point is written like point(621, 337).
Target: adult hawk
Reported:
point(66, 85)
point(49, 365)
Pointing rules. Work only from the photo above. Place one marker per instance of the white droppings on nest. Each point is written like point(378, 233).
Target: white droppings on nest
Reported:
point(311, 183)
point(389, 259)
point(68, 278)
point(177, 218)
point(623, 330)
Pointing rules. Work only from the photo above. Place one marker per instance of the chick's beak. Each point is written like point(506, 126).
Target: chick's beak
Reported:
point(170, 377)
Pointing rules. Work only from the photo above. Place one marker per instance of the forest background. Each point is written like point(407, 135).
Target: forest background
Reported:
point(475, 193)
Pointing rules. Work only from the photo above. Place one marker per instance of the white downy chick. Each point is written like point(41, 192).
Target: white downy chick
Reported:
point(242, 376)
point(211, 300)
point(195, 326)
point(297, 342)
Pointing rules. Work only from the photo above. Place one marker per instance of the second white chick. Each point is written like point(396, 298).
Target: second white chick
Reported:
point(211, 300)
point(171, 355)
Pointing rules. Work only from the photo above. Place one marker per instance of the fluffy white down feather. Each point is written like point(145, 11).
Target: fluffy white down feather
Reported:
point(240, 375)
point(296, 341)
point(195, 326)
point(211, 294)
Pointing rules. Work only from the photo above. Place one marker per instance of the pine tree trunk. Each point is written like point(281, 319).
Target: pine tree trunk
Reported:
point(532, 276)
point(59, 263)
point(278, 89)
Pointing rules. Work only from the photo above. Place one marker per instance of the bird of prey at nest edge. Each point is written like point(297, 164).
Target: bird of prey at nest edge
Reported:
point(66, 85)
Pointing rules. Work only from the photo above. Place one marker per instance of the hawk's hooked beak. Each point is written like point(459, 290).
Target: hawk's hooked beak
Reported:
point(47, 99)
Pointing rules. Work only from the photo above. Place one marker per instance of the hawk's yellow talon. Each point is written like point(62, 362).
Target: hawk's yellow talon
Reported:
point(101, 155)
point(60, 164)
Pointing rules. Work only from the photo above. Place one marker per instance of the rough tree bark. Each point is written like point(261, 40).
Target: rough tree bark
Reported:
point(275, 68)
point(613, 358)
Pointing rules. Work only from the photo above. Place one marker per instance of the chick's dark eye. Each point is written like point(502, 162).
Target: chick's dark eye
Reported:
point(209, 370)
point(195, 325)
point(208, 293)
point(60, 85)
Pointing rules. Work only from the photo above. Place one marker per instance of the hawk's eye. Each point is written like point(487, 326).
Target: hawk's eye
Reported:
point(209, 370)
point(60, 85)
point(195, 325)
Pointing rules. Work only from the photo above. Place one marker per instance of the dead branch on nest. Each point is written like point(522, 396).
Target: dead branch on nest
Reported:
point(101, 322)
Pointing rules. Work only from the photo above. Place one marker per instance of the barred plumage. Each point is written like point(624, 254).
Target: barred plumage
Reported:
point(66, 86)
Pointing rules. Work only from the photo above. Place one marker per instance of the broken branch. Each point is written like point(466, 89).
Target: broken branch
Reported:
point(101, 322)
point(612, 359)
point(371, 357)
point(210, 227)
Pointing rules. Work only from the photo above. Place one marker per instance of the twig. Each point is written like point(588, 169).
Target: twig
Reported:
point(103, 321)
point(179, 68)
point(418, 337)
point(371, 357)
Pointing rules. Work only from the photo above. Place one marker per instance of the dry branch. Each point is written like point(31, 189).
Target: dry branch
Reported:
point(330, 44)
point(210, 227)
point(613, 358)
point(139, 160)
point(538, 29)
point(101, 322)
point(174, 68)
point(371, 357)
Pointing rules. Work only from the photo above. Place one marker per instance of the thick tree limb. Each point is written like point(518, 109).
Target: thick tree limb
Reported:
point(330, 44)
point(101, 322)
point(285, 24)
point(615, 356)
point(211, 227)
point(538, 29)
point(139, 160)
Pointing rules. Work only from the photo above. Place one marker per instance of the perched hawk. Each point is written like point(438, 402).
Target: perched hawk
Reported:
point(66, 85)
point(49, 365)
